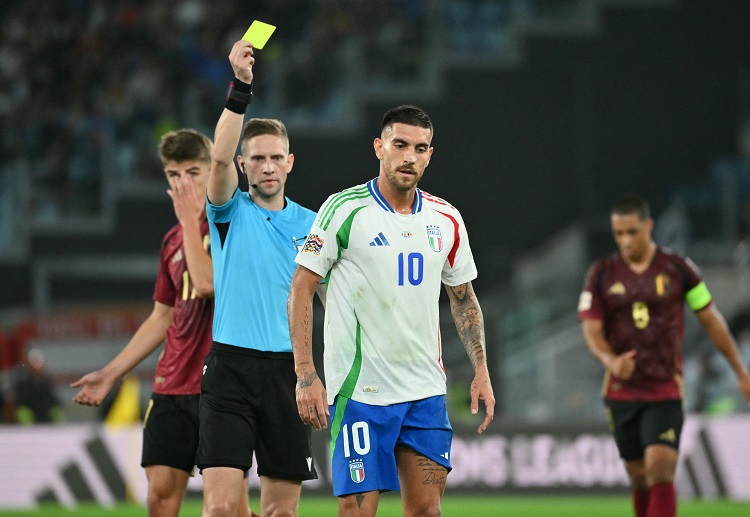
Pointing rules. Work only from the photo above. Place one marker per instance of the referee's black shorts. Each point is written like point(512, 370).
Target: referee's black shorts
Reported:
point(636, 425)
point(248, 405)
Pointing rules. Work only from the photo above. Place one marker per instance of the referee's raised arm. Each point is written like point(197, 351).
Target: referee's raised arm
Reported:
point(222, 181)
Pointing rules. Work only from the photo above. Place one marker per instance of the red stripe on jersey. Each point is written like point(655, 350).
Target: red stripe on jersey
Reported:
point(456, 238)
point(434, 199)
point(440, 351)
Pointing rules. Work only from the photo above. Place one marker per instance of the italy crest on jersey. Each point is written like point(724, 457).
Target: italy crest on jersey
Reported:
point(434, 237)
point(357, 470)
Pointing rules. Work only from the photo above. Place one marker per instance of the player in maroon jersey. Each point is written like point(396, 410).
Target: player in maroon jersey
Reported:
point(631, 312)
point(182, 318)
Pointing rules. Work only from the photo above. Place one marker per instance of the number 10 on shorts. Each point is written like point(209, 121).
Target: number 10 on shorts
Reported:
point(360, 439)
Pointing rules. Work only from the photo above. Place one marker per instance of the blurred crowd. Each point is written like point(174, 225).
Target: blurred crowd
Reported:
point(88, 86)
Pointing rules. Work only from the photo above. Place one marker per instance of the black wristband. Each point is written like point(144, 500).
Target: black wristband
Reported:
point(239, 95)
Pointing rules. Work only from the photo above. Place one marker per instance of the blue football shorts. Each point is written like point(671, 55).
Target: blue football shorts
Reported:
point(364, 439)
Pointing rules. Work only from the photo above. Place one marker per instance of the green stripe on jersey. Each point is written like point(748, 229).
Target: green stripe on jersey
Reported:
point(341, 402)
point(698, 297)
point(337, 200)
point(347, 388)
point(342, 236)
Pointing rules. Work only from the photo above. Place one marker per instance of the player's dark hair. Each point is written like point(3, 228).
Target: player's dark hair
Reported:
point(407, 114)
point(184, 145)
point(631, 204)
point(264, 126)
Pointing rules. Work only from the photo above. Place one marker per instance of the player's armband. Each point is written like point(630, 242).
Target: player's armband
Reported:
point(698, 297)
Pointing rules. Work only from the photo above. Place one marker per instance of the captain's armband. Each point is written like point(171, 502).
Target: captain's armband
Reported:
point(698, 297)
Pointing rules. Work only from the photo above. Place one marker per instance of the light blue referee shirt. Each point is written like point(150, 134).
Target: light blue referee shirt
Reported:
point(253, 253)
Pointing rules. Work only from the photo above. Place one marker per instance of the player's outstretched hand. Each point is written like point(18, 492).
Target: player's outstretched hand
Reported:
point(188, 206)
point(242, 60)
point(312, 401)
point(481, 389)
point(94, 387)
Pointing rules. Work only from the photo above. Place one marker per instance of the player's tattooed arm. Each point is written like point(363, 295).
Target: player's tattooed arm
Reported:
point(300, 313)
point(310, 393)
point(469, 321)
point(300, 334)
point(305, 380)
point(470, 325)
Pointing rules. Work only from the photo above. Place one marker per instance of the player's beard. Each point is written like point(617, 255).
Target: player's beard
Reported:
point(402, 183)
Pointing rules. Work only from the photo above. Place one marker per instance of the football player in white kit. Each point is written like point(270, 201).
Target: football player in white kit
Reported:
point(384, 249)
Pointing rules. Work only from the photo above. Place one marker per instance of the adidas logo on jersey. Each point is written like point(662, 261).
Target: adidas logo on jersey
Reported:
point(380, 240)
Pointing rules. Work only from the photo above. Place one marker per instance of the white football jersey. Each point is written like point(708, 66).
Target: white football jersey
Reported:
point(383, 274)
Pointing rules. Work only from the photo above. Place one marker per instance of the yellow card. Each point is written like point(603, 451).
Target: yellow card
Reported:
point(259, 33)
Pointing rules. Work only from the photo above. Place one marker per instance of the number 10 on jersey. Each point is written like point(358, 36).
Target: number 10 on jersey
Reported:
point(410, 268)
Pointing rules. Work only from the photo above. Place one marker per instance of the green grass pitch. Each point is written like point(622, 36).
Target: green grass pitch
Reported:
point(453, 505)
